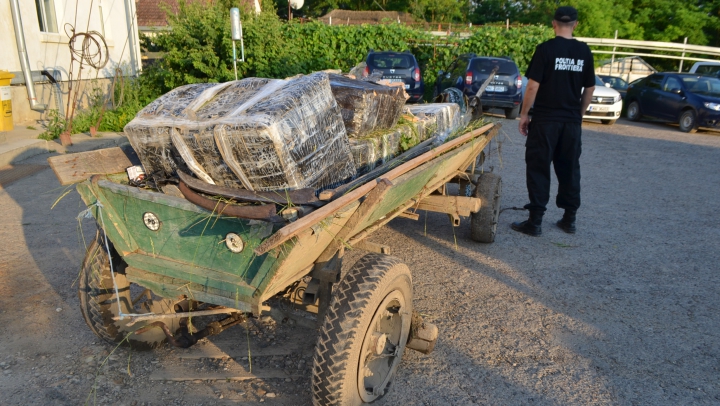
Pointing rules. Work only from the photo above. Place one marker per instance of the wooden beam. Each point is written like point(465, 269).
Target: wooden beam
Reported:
point(459, 205)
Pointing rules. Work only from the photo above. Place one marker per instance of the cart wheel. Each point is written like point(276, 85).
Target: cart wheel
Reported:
point(99, 303)
point(483, 224)
point(364, 333)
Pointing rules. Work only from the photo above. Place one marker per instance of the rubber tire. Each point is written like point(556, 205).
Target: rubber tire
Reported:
point(634, 107)
point(355, 300)
point(608, 122)
point(98, 302)
point(483, 224)
point(691, 126)
point(511, 114)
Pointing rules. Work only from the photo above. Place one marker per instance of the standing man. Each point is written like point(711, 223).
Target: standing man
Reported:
point(558, 72)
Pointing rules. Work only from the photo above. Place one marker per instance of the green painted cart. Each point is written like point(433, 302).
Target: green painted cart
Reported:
point(159, 260)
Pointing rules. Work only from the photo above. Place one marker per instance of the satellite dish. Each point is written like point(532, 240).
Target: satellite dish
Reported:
point(296, 4)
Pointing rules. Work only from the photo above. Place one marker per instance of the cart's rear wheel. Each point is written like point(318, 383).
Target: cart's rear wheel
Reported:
point(483, 224)
point(99, 303)
point(364, 333)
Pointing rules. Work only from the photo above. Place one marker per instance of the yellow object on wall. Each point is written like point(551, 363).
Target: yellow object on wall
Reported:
point(6, 118)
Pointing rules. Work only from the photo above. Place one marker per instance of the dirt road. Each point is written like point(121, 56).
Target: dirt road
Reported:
point(626, 311)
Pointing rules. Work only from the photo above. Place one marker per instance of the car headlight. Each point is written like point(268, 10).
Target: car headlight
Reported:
point(713, 106)
point(617, 98)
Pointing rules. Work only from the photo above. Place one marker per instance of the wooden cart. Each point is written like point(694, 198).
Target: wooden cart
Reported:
point(172, 260)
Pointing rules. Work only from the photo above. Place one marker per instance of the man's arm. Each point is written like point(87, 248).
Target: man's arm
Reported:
point(585, 99)
point(528, 101)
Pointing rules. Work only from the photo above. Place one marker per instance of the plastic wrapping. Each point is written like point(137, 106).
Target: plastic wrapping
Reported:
point(366, 106)
point(195, 142)
point(261, 134)
point(153, 142)
point(381, 146)
point(288, 138)
point(437, 119)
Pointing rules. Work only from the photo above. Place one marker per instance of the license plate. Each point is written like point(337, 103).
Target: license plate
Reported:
point(597, 108)
point(496, 89)
point(394, 80)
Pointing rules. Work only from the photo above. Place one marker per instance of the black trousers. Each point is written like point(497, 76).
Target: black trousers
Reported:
point(559, 144)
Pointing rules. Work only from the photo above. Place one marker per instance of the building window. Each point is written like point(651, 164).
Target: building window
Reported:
point(46, 15)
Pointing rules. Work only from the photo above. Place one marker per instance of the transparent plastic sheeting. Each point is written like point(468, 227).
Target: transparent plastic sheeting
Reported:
point(372, 151)
point(444, 117)
point(366, 106)
point(430, 120)
point(261, 134)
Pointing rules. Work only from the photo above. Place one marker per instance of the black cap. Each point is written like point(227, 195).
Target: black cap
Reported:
point(566, 14)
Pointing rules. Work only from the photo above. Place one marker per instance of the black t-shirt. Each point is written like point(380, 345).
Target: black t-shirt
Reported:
point(562, 67)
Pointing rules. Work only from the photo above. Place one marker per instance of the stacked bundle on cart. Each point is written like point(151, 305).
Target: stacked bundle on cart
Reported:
point(260, 134)
point(365, 106)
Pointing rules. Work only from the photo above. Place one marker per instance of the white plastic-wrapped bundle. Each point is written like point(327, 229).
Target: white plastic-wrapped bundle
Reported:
point(289, 135)
point(437, 118)
point(195, 140)
point(151, 141)
point(381, 146)
point(366, 106)
point(177, 129)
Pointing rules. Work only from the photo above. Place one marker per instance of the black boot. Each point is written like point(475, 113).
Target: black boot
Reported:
point(532, 226)
point(567, 223)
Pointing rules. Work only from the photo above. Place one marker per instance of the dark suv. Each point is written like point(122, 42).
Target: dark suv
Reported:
point(469, 71)
point(397, 67)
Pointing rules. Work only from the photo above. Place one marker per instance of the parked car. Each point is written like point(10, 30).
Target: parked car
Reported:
point(606, 104)
point(706, 68)
point(616, 83)
point(689, 99)
point(468, 72)
point(397, 67)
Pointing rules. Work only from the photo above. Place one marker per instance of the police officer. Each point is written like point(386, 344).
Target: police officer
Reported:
point(558, 72)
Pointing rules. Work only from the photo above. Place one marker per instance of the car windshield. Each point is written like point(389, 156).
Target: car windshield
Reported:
point(487, 65)
point(391, 61)
point(702, 85)
point(598, 81)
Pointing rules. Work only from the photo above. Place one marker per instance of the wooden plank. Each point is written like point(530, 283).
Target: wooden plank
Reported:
point(293, 229)
point(459, 205)
point(74, 168)
point(366, 208)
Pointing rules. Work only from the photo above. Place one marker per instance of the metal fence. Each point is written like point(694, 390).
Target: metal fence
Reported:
point(671, 50)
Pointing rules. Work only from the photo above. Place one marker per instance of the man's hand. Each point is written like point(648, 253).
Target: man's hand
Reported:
point(524, 124)
point(528, 101)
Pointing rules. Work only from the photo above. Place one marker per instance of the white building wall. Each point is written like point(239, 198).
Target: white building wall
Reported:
point(50, 51)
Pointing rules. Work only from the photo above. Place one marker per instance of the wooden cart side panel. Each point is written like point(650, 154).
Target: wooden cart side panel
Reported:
point(411, 184)
point(187, 234)
point(174, 288)
point(299, 226)
point(303, 250)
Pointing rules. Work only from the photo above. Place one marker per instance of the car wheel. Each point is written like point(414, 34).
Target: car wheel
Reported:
point(511, 114)
point(608, 122)
point(633, 111)
point(688, 121)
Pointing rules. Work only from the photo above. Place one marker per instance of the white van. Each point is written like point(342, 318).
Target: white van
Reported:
point(706, 68)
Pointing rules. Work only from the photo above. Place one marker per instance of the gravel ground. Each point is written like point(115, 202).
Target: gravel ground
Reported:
point(625, 312)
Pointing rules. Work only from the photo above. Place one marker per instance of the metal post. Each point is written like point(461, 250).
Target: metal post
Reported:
point(612, 59)
point(683, 55)
point(236, 33)
point(235, 59)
